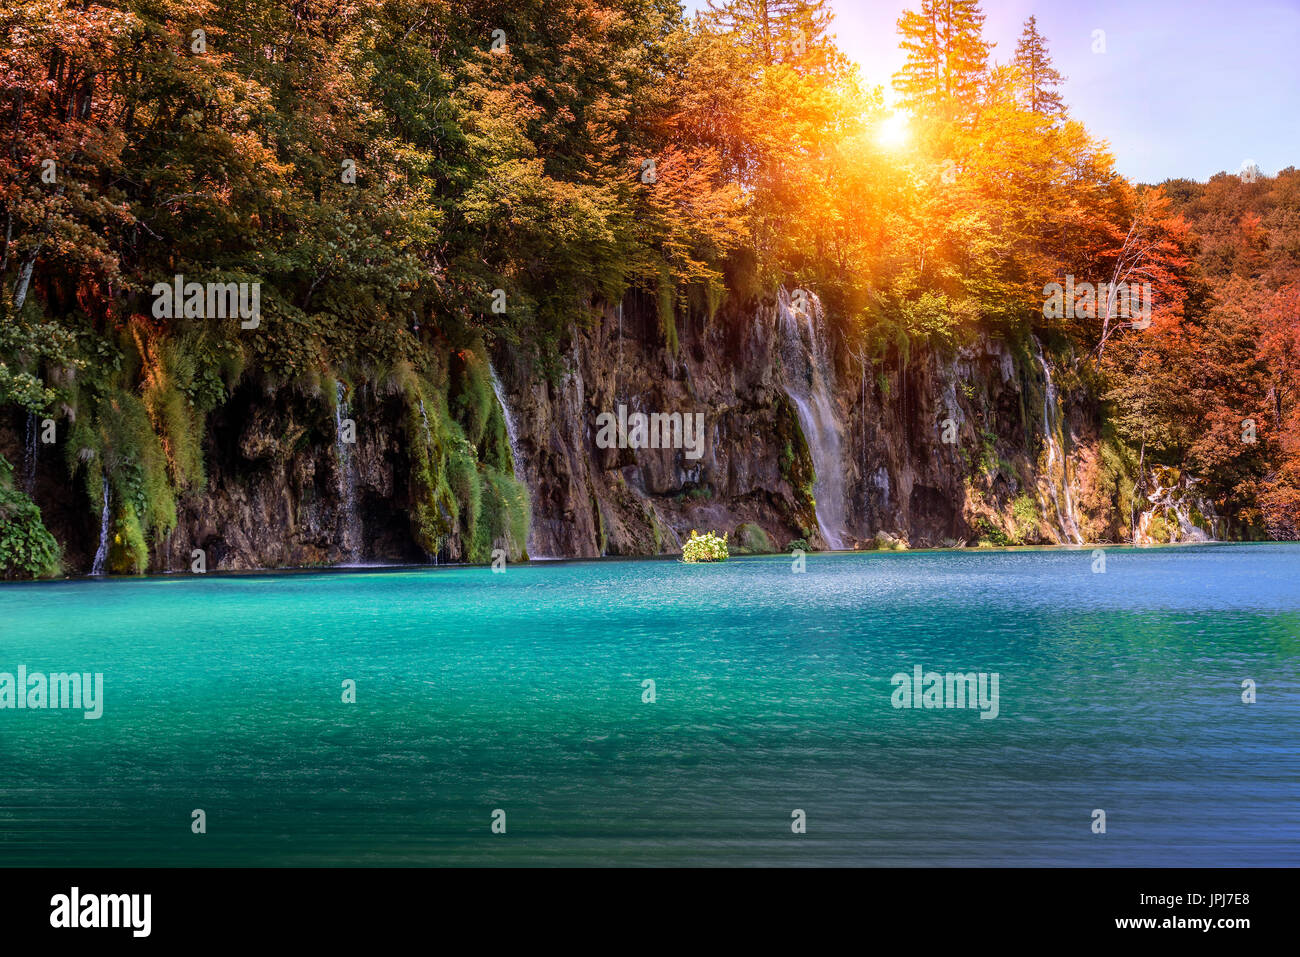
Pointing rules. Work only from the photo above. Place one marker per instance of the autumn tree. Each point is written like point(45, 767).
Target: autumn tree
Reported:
point(946, 58)
point(774, 30)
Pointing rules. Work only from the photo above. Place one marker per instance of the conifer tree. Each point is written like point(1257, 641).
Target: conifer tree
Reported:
point(773, 30)
point(946, 57)
point(1038, 77)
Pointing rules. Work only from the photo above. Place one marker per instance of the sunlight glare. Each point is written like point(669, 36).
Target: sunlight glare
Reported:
point(893, 132)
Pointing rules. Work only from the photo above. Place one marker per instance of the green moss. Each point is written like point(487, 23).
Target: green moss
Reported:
point(1119, 468)
point(471, 399)
point(990, 536)
point(127, 552)
point(750, 539)
point(666, 302)
point(795, 460)
point(989, 460)
point(1024, 517)
point(656, 532)
point(173, 414)
point(503, 517)
point(435, 511)
point(114, 439)
point(602, 539)
point(462, 489)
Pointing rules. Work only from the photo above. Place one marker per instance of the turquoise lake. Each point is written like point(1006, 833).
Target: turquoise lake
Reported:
point(523, 692)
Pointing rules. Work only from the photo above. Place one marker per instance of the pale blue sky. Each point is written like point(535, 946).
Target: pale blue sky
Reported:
point(1185, 87)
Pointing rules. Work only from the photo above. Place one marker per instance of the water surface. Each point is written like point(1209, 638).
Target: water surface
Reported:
point(523, 691)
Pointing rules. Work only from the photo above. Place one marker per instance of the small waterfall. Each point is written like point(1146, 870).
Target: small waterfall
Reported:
point(618, 368)
point(808, 380)
point(1066, 524)
point(31, 450)
point(105, 519)
point(424, 417)
point(516, 457)
point(350, 534)
point(1172, 498)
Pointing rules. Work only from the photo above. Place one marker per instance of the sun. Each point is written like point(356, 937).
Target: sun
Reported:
point(893, 132)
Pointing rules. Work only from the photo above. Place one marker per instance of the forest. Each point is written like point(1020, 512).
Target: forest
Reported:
point(411, 185)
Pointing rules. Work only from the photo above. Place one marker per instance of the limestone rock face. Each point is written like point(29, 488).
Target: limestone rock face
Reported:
point(987, 443)
point(901, 477)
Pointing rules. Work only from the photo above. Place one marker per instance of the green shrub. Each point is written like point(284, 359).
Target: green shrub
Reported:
point(1024, 517)
point(990, 536)
point(705, 548)
point(27, 549)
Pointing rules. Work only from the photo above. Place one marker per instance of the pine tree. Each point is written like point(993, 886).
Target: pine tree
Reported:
point(773, 30)
point(1038, 76)
point(946, 57)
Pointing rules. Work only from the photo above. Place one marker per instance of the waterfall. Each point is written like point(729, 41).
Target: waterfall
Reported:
point(1175, 500)
point(516, 457)
point(808, 380)
point(105, 518)
point(350, 535)
point(424, 417)
point(30, 452)
point(1067, 526)
point(618, 368)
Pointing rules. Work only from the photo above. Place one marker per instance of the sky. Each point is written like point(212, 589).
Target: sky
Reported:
point(1185, 88)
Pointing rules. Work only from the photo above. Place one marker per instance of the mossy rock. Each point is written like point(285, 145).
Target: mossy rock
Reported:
point(750, 539)
point(127, 552)
point(886, 542)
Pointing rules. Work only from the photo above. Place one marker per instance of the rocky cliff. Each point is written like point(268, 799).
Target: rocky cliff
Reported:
point(941, 449)
point(803, 442)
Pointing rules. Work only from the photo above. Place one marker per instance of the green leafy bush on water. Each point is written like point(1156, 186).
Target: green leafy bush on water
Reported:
point(705, 548)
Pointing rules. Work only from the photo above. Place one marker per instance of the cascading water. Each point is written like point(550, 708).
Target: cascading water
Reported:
point(105, 518)
point(1062, 501)
point(350, 533)
point(1173, 499)
point(808, 380)
point(516, 457)
point(424, 417)
point(30, 452)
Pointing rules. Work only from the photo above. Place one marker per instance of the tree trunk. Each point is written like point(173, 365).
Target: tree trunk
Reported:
point(24, 279)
